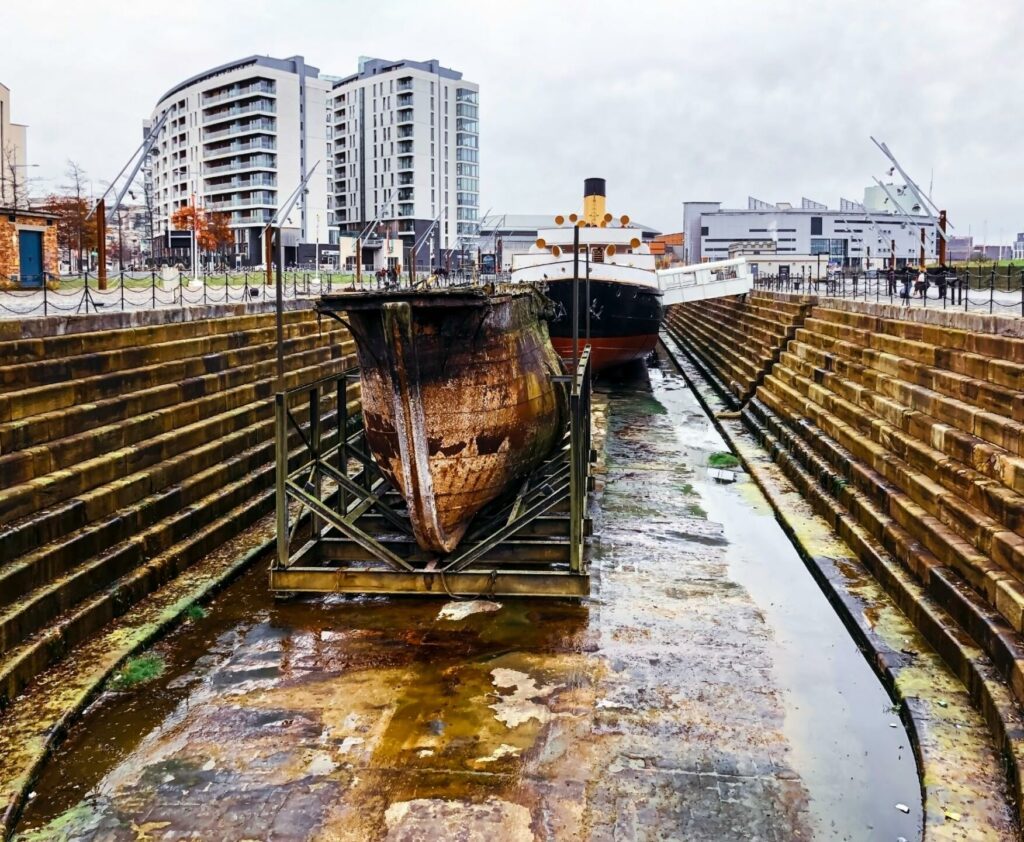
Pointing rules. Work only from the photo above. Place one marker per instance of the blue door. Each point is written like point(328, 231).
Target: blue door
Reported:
point(30, 249)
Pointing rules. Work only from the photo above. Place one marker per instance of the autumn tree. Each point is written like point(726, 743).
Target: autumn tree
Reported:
point(213, 230)
point(218, 226)
point(75, 228)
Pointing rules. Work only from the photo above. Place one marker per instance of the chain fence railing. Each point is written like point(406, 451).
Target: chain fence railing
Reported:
point(974, 289)
point(82, 294)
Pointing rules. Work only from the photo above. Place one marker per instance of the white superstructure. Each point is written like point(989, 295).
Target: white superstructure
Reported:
point(238, 139)
point(406, 154)
point(606, 253)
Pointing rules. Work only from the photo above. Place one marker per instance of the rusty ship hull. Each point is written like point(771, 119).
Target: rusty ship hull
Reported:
point(458, 400)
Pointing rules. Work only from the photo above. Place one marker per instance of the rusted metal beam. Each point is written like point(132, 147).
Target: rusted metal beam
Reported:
point(469, 583)
point(547, 549)
point(362, 538)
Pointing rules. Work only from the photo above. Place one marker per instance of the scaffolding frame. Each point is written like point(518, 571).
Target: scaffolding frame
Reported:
point(358, 539)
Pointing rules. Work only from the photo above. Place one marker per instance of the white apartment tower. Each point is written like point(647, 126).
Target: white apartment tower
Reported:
point(13, 190)
point(406, 153)
point(238, 139)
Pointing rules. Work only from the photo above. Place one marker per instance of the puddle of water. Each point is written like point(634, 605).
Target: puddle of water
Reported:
point(839, 717)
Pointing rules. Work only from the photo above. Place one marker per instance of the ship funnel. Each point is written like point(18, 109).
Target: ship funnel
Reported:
point(593, 200)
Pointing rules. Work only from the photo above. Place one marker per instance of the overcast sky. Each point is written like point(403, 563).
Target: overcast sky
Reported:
point(670, 101)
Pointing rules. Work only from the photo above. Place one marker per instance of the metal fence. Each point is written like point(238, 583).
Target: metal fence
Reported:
point(82, 294)
point(975, 289)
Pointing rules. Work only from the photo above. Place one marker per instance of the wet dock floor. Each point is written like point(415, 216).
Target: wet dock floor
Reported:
point(705, 691)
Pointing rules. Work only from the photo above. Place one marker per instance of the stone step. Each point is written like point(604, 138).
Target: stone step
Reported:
point(21, 500)
point(924, 346)
point(43, 649)
point(861, 385)
point(25, 465)
point(57, 558)
point(985, 343)
point(76, 343)
point(989, 578)
point(16, 374)
point(39, 399)
point(994, 428)
point(54, 522)
point(963, 480)
point(733, 370)
point(34, 609)
point(970, 383)
point(743, 352)
point(68, 421)
point(844, 423)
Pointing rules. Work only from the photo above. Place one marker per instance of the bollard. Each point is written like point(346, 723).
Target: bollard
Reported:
point(153, 275)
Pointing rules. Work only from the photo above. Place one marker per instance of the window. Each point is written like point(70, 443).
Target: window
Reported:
point(819, 245)
point(704, 230)
point(815, 226)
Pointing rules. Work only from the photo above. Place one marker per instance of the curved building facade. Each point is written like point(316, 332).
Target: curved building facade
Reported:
point(238, 139)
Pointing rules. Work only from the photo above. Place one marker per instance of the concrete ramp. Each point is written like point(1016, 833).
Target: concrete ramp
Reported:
point(705, 280)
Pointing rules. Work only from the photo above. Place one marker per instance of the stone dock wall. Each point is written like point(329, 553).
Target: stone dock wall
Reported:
point(905, 429)
point(133, 445)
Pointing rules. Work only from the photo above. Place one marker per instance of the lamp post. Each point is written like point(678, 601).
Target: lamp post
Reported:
point(278, 220)
point(316, 269)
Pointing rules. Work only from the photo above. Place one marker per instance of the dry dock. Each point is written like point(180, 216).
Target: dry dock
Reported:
point(707, 690)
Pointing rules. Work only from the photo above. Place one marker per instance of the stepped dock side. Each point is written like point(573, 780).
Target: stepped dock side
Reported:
point(905, 429)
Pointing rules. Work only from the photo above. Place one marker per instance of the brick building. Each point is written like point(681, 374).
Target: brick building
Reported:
point(28, 246)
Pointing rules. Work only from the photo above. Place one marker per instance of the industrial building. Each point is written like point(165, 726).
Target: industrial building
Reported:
point(406, 159)
point(239, 138)
point(886, 224)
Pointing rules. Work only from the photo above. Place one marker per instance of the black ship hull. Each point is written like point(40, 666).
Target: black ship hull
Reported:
point(624, 320)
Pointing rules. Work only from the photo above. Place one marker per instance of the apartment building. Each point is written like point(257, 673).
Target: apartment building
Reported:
point(238, 139)
point(12, 155)
point(406, 155)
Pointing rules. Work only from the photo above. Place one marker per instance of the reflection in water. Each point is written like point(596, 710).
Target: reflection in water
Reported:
point(681, 701)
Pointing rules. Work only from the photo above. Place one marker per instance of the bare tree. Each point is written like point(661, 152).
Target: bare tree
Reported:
point(17, 183)
point(76, 187)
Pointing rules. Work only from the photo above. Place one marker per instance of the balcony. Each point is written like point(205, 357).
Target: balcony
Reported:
point(405, 115)
point(263, 106)
point(405, 100)
point(405, 195)
point(405, 210)
point(255, 180)
point(405, 131)
point(254, 162)
point(241, 128)
point(236, 92)
point(405, 83)
point(405, 147)
point(251, 217)
point(405, 162)
point(239, 146)
point(261, 199)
